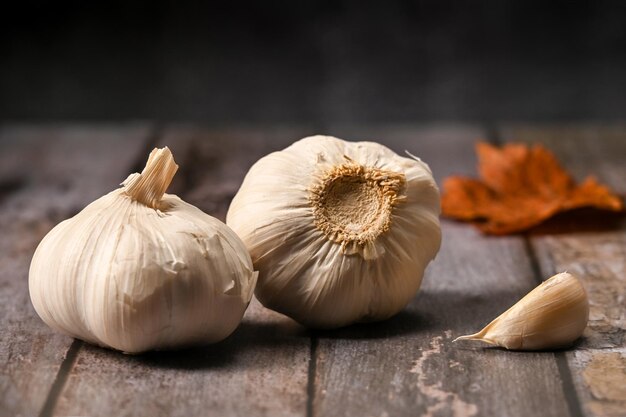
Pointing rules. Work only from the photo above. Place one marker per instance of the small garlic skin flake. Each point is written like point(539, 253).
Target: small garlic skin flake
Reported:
point(340, 232)
point(140, 270)
point(551, 316)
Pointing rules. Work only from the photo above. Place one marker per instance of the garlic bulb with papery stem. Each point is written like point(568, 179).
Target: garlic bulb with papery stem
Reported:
point(340, 231)
point(139, 270)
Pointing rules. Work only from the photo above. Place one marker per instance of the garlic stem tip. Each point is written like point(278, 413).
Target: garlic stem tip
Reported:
point(149, 186)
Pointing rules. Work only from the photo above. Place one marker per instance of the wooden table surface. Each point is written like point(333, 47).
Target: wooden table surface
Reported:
point(271, 366)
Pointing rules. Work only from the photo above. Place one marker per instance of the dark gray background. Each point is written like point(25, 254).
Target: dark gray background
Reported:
point(318, 62)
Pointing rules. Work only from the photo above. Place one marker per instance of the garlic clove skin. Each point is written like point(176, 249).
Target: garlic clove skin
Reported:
point(133, 277)
point(341, 232)
point(551, 316)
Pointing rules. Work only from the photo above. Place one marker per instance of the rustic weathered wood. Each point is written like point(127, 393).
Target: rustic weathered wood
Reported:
point(46, 174)
point(594, 248)
point(408, 366)
point(404, 366)
point(260, 370)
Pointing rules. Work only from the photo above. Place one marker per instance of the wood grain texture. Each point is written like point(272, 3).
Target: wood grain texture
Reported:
point(260, 370)
point(407, 365)
point(272, 366)
point(47, 174)
point(593, 247)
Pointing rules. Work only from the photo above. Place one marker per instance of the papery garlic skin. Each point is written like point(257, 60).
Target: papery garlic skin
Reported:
point(551, 316)
point(340, 231)
point(132, 277)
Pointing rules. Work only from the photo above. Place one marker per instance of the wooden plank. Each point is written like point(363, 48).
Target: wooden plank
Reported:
point(407, 365)
point(593, 248)
point(260, 370)
point(48, 173)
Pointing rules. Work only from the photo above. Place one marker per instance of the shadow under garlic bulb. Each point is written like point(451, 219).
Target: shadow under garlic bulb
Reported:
point(340, 232)
point(139, 270)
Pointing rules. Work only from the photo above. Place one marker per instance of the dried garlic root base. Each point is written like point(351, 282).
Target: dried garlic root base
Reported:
point(551, 316)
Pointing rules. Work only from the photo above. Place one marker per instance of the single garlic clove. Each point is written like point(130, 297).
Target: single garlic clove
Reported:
point(553, 315)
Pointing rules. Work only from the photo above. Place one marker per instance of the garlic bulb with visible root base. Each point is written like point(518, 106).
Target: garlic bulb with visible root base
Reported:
point(551, 316)
point(138, 269)
point(340, 231)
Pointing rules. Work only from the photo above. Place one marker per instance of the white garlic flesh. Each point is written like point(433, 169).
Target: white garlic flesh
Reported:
point(551, 316)
point(140, 270)
point(340, 232)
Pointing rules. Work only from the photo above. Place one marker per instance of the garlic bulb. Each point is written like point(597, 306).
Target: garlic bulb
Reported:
point(339, 231)
point(553, 315)
point(138, 269)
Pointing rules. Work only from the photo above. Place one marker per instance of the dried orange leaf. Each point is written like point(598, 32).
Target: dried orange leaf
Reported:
point(520, 187)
